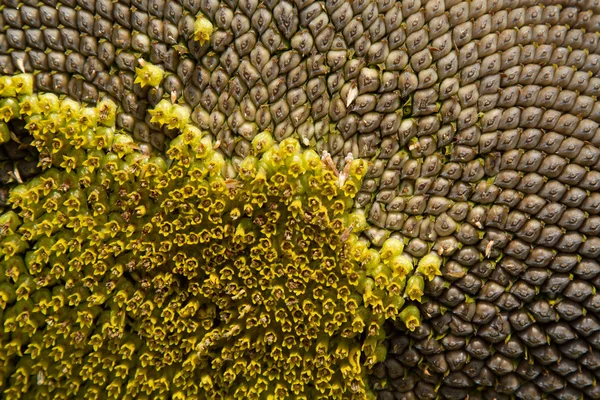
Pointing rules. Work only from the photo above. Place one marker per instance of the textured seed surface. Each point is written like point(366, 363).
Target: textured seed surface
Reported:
point(479, 122)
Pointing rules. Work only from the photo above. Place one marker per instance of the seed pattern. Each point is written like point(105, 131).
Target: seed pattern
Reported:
point(138, 275)
point(478, 121)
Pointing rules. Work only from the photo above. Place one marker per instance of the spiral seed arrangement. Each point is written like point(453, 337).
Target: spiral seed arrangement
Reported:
point(411, 187)
point(126, 274)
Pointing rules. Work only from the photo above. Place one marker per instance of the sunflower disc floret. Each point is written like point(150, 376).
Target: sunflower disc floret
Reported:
point(194, 275)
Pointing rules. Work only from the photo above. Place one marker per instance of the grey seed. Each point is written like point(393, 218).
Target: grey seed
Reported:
point(565, 100)
point(377, 29)
point(496, 218)
point(200, 77)
point(442, 46)
point(417, 248)
point(448, 66)
point(396, 60)
point(470, 283)
point(445, 135)
point(289, 60)
point(487, 45)
point(320, 107)
point(393, 17)
point(348, 125)
point(121, 38)
point(106, 53)
point(286, 18)
point(479, 350)
point(551, 213)
point(550, 142)
point(410, 7)
point(199, 115)
point(574, 38)
point(156, 7)
point(424, 103)
point(589, 41)
point(388, 102)
point(530, 183)
point(240, 24)
point(262, 18)
point(427, 233)
point(85, 22)
point(531, 203)
point(473, 171)
point(336, 60)
point(246, 43)
point(510, 59)
point(56, 61)
point(448, 87)
point(157, 140)
point(449, 110)
point(524, 35)
point(248, 74)
point(30, 16)
point(75, 88)
point(362, 45)
point(60, 83)
point(34, 38)
point(389, 124)
point(451, 170)
point(67, 17)
point(332, 5)
point(142, 5)
point(591, 203)
point(590, 248)
point(16, 39)
point(396, 38)
point(155, 95)
point(572, 174)
point(530, 161)
point(369, 14)
point(48, 16)
point(173, 12)
point(220, 40)
point(564, 262)
point(563, 76)
point(515, 221)
point(508, 96)
point(283, 130)
point(319, 23)
point(415, 22)
point(89, 93)
point(335, 82)
point(385, 5)
point(591, 62)
point(416, 41)
point(509, 197)
point(297, 76)
point(469, 74)
point(296, 97)
point(209, 99)
point(582, 108)
point(378, 53)
point(591, 181)
point(539, 257)
point(427, 126)
point(459, 13)
point(570, 147)
point(547, 97)
point(223, 17)
point(570, 242)
point(302, 41)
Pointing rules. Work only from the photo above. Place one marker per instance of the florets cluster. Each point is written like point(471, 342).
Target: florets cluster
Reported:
point(190, 275)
